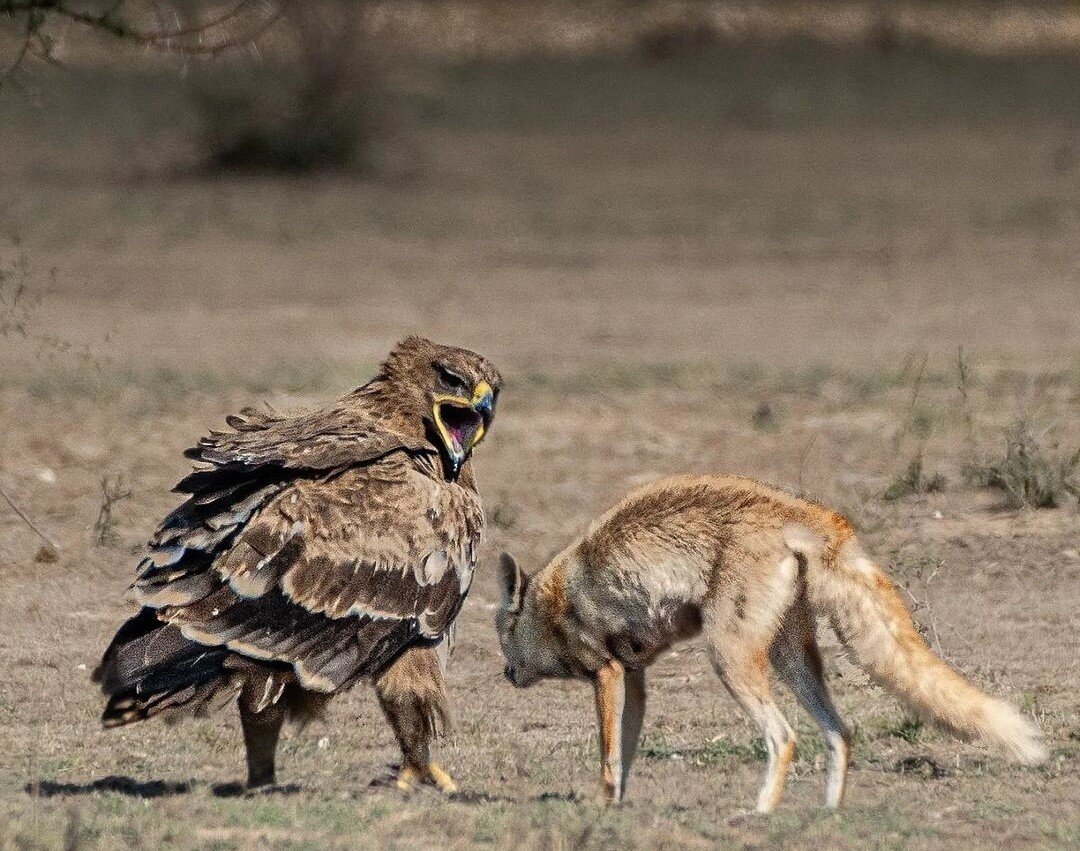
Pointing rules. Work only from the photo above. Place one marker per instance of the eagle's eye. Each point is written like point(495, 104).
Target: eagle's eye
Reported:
point(450, 380)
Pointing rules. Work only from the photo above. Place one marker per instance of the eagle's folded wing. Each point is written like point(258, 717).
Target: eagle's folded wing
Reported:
point(242, 470)
point(339, 436)
point(334, 575)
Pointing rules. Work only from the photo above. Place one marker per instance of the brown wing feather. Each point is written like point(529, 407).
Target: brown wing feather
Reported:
point(334, 575)
point(286, 560)
point(381, 541)
point(350, 431)
point(242, 470)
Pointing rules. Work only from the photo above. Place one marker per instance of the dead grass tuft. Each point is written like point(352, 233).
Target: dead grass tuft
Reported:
point(1029, 474)
point(914, 480)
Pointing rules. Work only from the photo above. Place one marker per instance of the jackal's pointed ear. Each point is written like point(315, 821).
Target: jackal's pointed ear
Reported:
point(512, 582)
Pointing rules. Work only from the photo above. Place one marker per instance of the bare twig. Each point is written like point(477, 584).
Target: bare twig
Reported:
point(113, 490)
point(15, 507)
point(963, 381)
point(178, 41)
point(185, 40)
point(24, 51)
point(914, 398)
point(924, 607)
point(802, 459)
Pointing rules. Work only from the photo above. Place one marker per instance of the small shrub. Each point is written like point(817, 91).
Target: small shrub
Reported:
point(1029, 475)
point(672, 39)
point(504, 516)
point(764, 417)
point(914, 480)
point(113, 490)
point(924, 421)
point(908, 730)
point(14, 283)
point(920, 765)
point(313, 112)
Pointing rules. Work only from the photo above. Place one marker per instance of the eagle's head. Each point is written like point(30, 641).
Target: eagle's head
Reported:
point(455, 389)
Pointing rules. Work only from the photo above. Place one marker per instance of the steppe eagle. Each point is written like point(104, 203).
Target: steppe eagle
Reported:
point(314, 551)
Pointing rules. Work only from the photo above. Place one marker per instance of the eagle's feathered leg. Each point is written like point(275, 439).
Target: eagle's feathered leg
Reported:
point(261, 731)
point(413, 698)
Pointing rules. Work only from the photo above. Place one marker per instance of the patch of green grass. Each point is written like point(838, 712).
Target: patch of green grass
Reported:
point(804, 381)
point(876, 827)
point(718, 751)
point(808, 381)
point(614, 377)
point(656, 746)
point(867, 385)
point(104, 383)
point(488, 825)
point(747, 375)
point(254, 812)
point(809, 745)
point(908, 729)
point(1000, 809)
point(914, 480)
point(1064, 835)
point(925, 421)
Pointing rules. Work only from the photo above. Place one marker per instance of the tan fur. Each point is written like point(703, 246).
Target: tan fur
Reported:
point(750, 567)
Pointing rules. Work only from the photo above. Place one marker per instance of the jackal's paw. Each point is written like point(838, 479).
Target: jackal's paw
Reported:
point(411, 778)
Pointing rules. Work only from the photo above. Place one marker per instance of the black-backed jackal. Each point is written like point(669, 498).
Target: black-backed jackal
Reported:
point(749, 567)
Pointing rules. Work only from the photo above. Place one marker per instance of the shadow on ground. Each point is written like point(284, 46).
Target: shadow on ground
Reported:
point(122, 785)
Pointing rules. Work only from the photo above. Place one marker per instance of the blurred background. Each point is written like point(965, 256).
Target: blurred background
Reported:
point(774, 182)
point(830, 244)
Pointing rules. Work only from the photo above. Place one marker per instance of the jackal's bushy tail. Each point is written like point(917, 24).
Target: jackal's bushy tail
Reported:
point(874, 624)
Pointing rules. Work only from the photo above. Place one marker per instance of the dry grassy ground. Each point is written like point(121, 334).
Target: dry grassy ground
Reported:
point(760, 261)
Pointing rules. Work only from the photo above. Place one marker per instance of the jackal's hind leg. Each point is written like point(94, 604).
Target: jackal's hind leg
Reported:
point(747, 678)
point(797, 659)
point(740, 625)
point(633, 718)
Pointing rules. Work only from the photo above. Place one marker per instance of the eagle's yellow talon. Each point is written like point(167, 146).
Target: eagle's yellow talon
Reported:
point(407, 778)
point(410, 777)
point(442, 781)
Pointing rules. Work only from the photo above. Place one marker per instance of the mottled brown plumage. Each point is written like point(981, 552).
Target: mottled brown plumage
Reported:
point(313, 551)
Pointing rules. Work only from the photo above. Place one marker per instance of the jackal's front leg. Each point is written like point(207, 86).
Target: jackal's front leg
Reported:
point(620, 708)
point(413, 698)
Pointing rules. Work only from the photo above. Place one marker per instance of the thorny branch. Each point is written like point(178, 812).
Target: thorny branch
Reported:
point(923, 606)
point(224, 31)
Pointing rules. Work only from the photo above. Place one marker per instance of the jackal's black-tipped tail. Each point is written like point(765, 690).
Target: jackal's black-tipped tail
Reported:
point(149, 668)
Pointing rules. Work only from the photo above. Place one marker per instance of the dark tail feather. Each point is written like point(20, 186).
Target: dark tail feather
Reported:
point(150, 668)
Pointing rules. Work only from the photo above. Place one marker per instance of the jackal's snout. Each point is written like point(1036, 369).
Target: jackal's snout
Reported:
point(516, 679)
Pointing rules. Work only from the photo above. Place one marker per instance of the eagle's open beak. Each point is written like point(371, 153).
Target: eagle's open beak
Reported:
point(462, 422)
